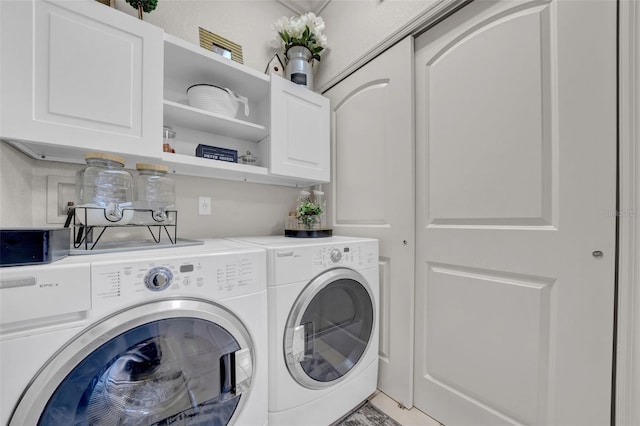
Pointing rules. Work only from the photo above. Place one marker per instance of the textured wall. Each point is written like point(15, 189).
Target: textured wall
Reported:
point(635, 353)
point(247, 23)
point(15, 187)
point(238, 208)
point(354, 27)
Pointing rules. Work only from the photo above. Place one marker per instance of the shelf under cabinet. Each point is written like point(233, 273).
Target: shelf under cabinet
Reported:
point(197, 166)
point(194, 118)
point(204, 167)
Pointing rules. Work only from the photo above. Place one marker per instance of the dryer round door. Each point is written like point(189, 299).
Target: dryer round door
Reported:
point(173, 361)
point(329, 328)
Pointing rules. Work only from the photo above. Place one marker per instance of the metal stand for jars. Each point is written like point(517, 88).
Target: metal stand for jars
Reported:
point(97, 218)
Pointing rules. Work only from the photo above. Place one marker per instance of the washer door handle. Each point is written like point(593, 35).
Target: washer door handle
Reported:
point(242, 369)
point(236, 369)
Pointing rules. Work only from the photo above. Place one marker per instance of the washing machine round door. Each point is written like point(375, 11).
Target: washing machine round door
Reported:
point(329, 328)
point(177, 361)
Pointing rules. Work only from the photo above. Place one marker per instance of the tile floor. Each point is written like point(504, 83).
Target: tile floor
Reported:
point(367, 415)
point(412, 417)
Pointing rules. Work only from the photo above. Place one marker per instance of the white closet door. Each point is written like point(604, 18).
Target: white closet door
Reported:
point(516, 189)
point(372, 194)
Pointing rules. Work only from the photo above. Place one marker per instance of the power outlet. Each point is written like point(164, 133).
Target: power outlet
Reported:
point(60, 190)
point(204, 205)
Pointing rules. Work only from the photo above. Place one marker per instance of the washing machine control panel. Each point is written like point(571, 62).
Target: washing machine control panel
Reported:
point(203, 275)
point(158, 278)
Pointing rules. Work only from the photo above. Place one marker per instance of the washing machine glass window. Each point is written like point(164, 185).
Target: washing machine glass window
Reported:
point(329, 328)
point(189, 368)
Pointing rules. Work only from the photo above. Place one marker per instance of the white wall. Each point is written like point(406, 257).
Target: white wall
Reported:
point(628, 344)
point(635, 352)
point(245, 22)
point(239, 208)
point(355, 27)
point(16, 207)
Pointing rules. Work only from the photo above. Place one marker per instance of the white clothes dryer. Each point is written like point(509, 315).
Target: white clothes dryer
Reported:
point(323, 326)
point(172, 336)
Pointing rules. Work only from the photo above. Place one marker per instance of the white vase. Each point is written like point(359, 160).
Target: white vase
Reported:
point(299, 66)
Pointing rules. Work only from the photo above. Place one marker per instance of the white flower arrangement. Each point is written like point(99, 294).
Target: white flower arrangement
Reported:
point(304, 30)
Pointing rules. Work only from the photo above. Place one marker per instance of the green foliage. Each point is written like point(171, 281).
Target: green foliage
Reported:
point(308, 213)
point(309, 208)
point(147, 5)
point(308, 40)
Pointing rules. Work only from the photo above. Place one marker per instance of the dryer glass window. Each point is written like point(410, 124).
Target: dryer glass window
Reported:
point(173, 371)
point(337, 326)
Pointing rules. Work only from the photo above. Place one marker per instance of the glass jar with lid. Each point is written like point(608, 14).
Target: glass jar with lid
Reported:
point(156, 198)
point(104, 189)
point(248, 158)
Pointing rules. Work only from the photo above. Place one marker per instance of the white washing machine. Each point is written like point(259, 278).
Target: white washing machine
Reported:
point(170, 336)
point(323, 326)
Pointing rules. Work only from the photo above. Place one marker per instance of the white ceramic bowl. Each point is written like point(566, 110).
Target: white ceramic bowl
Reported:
point(215, 99)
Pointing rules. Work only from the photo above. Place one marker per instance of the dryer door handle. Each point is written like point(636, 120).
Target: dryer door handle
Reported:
point(302, 343)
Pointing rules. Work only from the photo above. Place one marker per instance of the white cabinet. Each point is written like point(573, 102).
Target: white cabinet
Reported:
point(299, 132)
point(288, 125)
point(79, 76)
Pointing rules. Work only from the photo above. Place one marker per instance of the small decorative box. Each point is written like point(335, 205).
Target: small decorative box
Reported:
point(217, 153)
point(27, 246)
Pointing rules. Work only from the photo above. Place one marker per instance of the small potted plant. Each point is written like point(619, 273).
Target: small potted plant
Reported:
point(302, 41)
point(143, 6)
point(309, 214)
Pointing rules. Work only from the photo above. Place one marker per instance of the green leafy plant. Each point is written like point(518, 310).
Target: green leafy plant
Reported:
point(304, 30)
point(143, 6)
point(308, 213)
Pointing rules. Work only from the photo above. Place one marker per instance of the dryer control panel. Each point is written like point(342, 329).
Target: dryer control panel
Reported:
point(355, 256)
point(293, 264)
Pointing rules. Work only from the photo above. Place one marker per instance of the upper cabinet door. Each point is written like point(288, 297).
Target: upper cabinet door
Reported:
point(80, 75)
point(299, 132)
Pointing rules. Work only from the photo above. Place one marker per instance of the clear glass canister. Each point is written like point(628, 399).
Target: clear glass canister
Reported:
point(318, 197)
point(103, 188)
point(156, 197)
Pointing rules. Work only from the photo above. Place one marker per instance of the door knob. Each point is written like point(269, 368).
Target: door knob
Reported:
point(597, 254)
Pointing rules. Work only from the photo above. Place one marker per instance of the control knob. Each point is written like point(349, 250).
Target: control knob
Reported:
point(159, 278)
point(335, 255)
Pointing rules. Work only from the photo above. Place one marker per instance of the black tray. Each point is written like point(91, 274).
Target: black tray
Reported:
point(303, 233)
